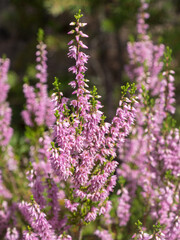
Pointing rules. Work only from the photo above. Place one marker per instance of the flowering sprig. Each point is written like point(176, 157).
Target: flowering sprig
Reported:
point(39, 107)
point(103, 234)
point(12, 234)
point(152, 150)
point(71, 183)
point(5, 111)
point(157, 233)
point(37, 219)
point(39, 117)
point(84, 148)
point(38, 114)
point(8, 164)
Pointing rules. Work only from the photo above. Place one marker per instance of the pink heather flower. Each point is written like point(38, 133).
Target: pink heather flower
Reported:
point(145, 236)
point(53, 195)
point(91, 216)
point(37, 189)
point(30, 236)
point(38, 113)
point(82, 44)
point(73, 84)
point(72, 52)
point(72, 23)
point(4, 192)
point(142, 236)
point(105, 211)
point(142, 26)
point(82, 24)
point(37, 220)
point(43, 154)
point(10, 159)
point(5, 111)
point(5, 216)
point(71, 207)
point(84, 142)
point(123, 210)
point(12, 234)
point(83, 34)
point(103, 234)
point(71, 32)
point(4, 66)
point(39, 107)
point(64, 237)
point(151, 150)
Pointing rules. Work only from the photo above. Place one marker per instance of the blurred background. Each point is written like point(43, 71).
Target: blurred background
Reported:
point(111, 23)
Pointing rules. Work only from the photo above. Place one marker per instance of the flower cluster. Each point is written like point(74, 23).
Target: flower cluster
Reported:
point(123, 174)
point(150, 159)
point(3, 191)
point(38, 221)
point(84, 149)
point(39, 107)
point(5, 111)
point(123, 210)
point(103, 234)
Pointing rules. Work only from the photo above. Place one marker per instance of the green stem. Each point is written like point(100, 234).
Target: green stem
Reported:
point(80, 232)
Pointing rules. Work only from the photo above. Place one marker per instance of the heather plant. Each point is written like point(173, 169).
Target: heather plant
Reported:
point(82, 153)
point(84, 149)
point(148, 174)
point(87, 178)
point(150, 157)
point(38, 113)
point(8, 164)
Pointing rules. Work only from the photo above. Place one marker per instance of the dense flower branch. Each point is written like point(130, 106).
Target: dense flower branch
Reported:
point(84, 148)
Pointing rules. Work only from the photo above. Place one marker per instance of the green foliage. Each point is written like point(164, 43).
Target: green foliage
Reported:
point(116, 15)
point(29, 229)
point(32, 198)
point(40, 35)
point(157, 228)
point(168, 124)
point(128, 88)
point(169, 177)
point(66, 111)
point(139, 210)
point(93, 100)
point(132, 89)
point(148, 100)
point(167, 56)
point(78, 15)
point(56, 114)
point(138, 224)
point(103, 118)
point(124, 89)
point(56, 85)
point(121, 181)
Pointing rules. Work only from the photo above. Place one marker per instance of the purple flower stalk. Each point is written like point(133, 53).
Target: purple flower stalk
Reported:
point(39, 107)
point(103, 234)
point(153, 149)
point(4, 192)
point(5, 111)
point(12, 234)
point(84, 150)
point(123, 210)
point(37, 220)
point(30, 236)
